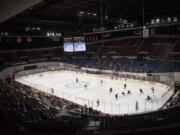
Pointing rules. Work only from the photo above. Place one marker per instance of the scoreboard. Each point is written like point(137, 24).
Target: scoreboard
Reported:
point(76, 44)
point(68, 44)
point(79, 44)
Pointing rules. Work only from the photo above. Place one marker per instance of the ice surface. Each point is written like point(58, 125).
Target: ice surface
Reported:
point(65, 86)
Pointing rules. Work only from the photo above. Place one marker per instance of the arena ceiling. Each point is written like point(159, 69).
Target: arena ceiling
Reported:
point(74, 15)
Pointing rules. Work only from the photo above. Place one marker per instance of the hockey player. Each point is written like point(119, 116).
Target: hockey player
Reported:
point(125, 85)
point(110, 90)
point(152, 89)
point(137, 106)
point(123, 93)
point(101, 81)
point(52, 90)
point(77, 80)
point(129, 92)
point(148, 98)
point(85, 86)
point(97, 102)
point(141, 91)
point(116, 96)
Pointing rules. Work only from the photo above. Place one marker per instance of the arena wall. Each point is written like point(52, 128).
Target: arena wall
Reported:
point(6, 72)
point(163, 76)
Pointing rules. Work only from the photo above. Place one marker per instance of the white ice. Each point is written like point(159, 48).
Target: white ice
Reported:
point(65, 86)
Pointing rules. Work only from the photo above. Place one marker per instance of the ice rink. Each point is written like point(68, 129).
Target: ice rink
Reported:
point(65, 86)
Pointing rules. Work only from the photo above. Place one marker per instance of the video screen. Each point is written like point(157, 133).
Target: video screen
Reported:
point(79, 44)
point(68, 45)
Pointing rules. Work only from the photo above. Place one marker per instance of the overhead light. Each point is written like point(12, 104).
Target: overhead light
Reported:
point(169, 19)
point(157, 20)
point(131, 25)
point(6, 33)
point(88, 13)
point(52, 34)
point(94, 29)
point(124, 21)
point(102, 28)
point(163, 21)
point(94, 14)
point(175, 19)
point(27, 29)
point(58, 34)
point(152, 21)
point(81, 13)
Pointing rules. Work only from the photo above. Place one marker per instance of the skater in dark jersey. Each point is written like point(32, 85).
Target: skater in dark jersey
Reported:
point(141, 91)
point(77, 80)
point(125, 85)
point(110, 90)
point(116, 96)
